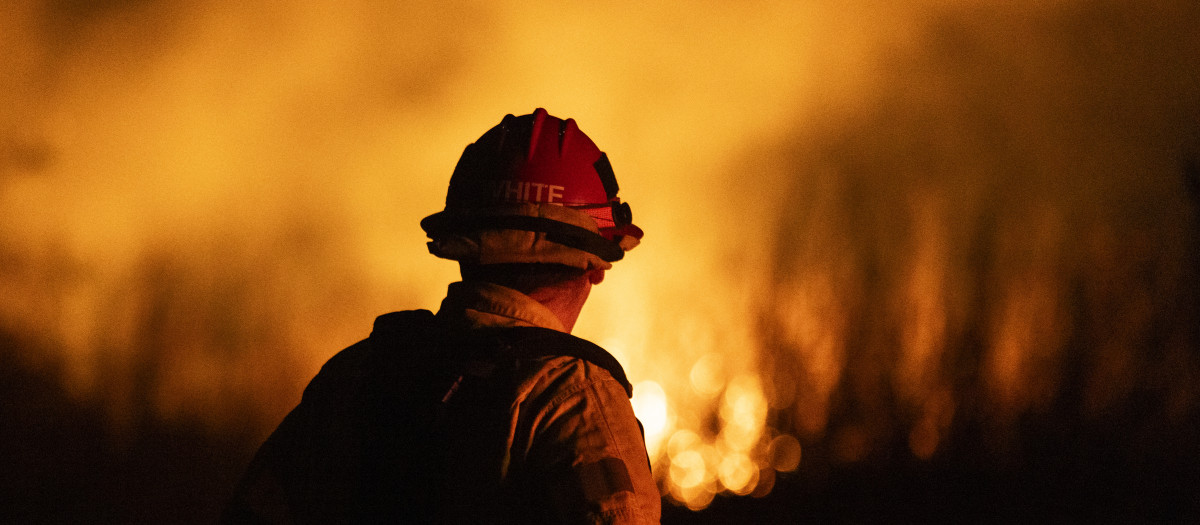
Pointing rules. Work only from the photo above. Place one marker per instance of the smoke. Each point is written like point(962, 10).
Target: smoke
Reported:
point(1000, 249)
point(865, 224)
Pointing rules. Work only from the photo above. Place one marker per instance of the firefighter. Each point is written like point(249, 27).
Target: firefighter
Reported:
point(488, 411)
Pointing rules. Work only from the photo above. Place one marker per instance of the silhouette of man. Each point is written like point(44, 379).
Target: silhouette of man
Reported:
point(488, 411)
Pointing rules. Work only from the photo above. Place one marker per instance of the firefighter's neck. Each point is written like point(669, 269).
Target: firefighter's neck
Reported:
point(564, 300)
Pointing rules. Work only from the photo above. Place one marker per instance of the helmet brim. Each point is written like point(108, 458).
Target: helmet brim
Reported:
point(451, 223)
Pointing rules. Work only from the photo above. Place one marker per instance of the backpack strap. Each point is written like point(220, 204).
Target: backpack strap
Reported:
point(529, 342)
point(401, 327)
point(488, 344)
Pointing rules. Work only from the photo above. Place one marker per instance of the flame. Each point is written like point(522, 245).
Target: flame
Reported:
point(650, 405)
point(930, 203)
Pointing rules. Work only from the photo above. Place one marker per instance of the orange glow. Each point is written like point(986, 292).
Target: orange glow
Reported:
point(743, 414)
point(650, 405)
point(784, 453)
point(863, 221)
point(1029, 328)
point(738, 474)
point(707, 375)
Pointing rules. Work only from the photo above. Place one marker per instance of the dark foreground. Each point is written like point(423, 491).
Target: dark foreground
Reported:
point(62, 462)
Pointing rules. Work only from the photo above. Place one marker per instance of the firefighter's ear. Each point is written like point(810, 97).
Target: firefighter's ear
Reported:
point(595, 276)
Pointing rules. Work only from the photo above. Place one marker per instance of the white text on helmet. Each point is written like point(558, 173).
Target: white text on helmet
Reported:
point(515, 191)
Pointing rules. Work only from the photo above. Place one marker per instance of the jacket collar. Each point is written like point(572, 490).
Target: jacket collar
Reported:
point(482, 304)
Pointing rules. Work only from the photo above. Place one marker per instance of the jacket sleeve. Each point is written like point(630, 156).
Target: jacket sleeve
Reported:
point(304, 471)
point(591, 445)
point(260, 495)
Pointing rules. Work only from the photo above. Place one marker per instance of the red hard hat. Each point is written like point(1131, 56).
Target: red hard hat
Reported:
point(542, 160)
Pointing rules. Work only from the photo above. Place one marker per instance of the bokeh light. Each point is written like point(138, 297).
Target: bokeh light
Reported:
point(937, 232)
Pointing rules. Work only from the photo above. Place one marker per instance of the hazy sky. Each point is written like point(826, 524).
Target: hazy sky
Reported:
point(203, 201)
